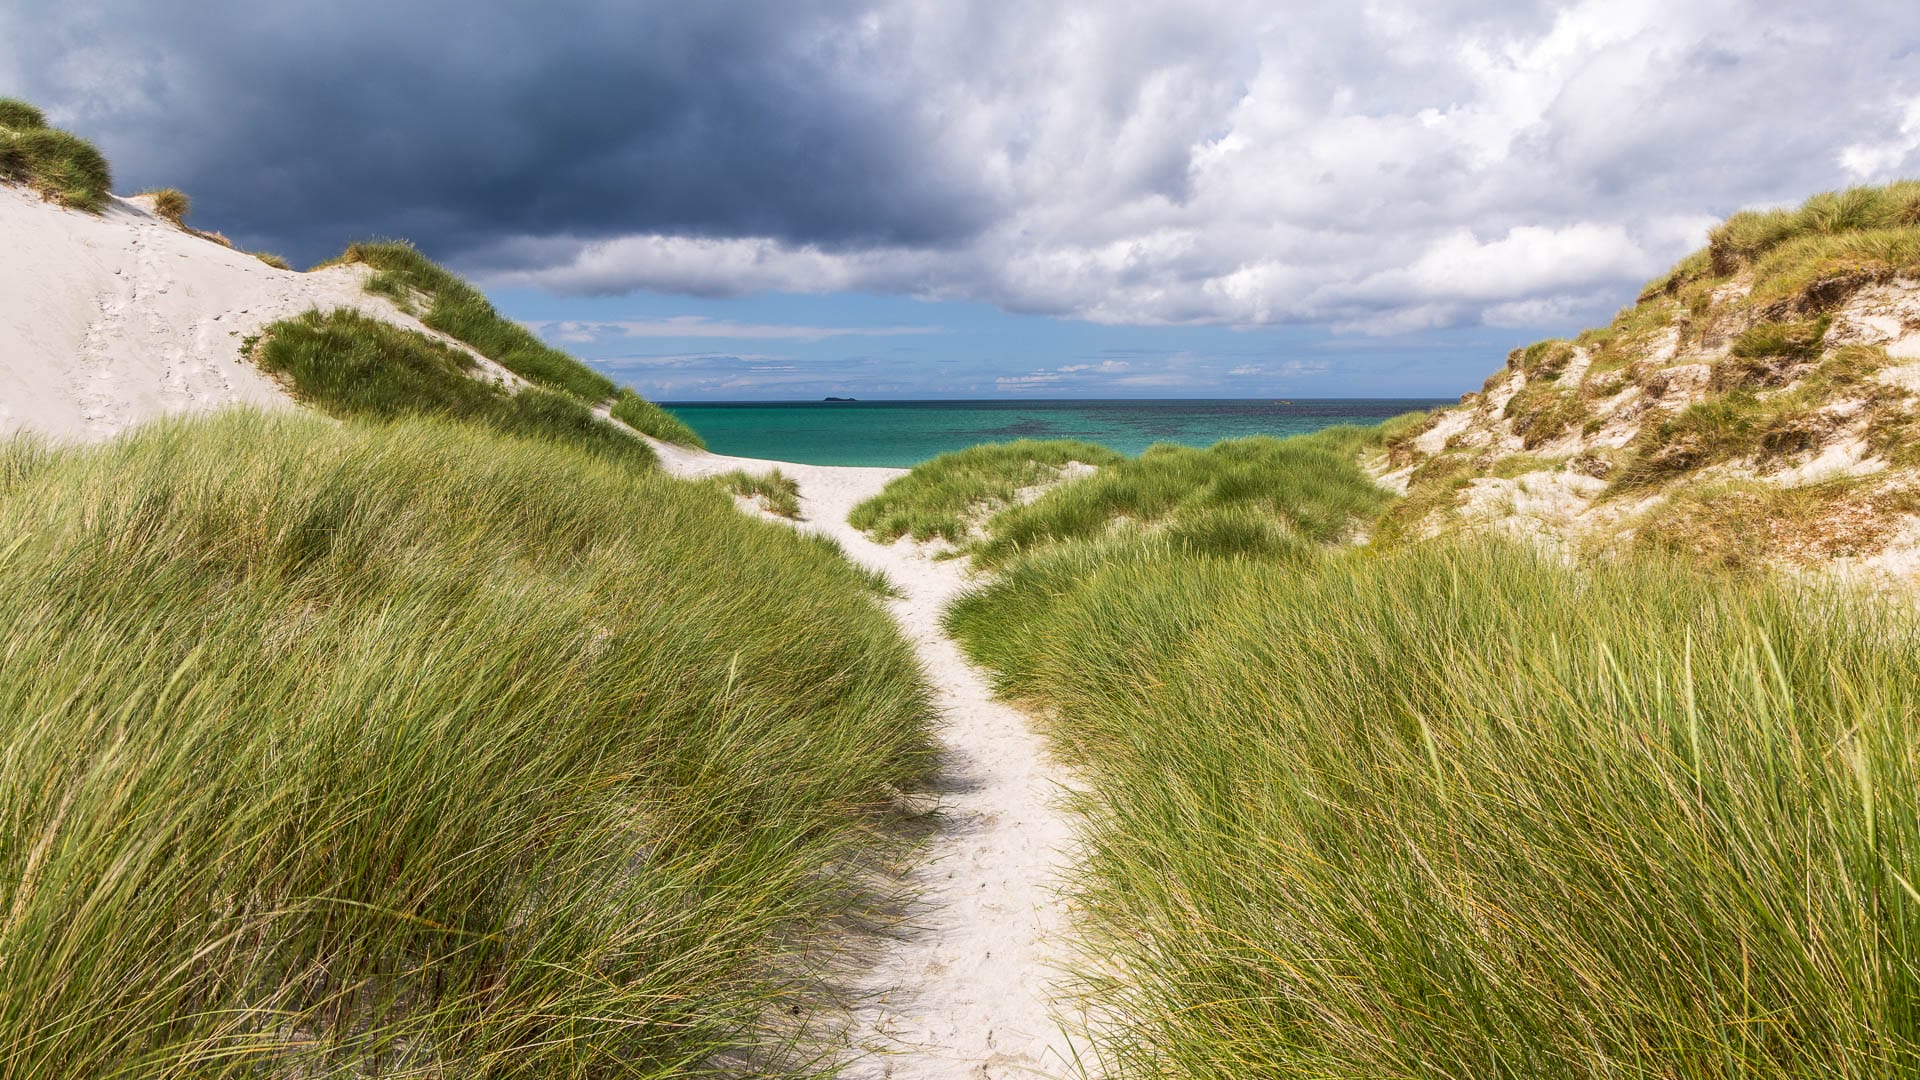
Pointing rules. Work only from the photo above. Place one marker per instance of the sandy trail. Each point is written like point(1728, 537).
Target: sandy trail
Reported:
point(964, 992)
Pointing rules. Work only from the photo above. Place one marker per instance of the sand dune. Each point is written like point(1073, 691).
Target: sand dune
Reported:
point(108, 321)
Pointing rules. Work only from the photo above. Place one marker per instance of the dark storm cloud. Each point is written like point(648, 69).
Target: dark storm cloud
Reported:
point(460, 123)
point(1387, 166)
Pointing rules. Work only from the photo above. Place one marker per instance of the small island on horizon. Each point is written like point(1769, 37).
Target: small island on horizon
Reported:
point(840, 399)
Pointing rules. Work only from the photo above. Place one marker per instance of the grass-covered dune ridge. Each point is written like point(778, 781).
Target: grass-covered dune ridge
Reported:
point(1006, 500)
point(450, 305)
point(414, 749)
point(949, 496)
point(456, 308)
point(1237, 495)
point(58, 164)
point(1782, 357)
point(1464, 811)
point(351, 365)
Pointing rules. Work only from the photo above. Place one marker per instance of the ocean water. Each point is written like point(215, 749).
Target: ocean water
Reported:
point(905, 433)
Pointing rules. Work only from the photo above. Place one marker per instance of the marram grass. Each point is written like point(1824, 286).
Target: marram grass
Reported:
point(58, 164)
point(456, 308)
point(414, 750)
point(352, 365)
point(1464, 812)
point(1246, 496)
point(650, 419)
point(951, 494)
point(1250, 496)
point(775, 492)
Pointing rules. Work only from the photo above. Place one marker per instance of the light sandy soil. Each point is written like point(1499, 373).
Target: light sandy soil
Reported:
point(114, 319)
point(964, 991)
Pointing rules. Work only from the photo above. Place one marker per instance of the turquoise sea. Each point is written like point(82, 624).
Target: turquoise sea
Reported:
point(904, 433)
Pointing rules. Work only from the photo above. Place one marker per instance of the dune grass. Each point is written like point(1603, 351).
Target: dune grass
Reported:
point(1240, 495)
point(775, 491)
point(1744, 423)
point(458, 309)
point(1751, 526)
point(410, 749)
point(1805, 260)
point(172, 204)
point(1542, 412)
point(647, 418)
point(61, 166)
point(348, 364)
point(1465, 812)
point(21, 115)
point(1751, 235)
point(949, 495)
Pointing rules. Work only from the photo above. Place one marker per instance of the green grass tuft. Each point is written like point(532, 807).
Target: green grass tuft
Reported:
point(1743, 423)
point(1307, 487)
point(172, 204)
point(949, 495)
point(1747, 237)
point(348, 364)
point(1770, 353)
point(1542, 412)
point(460, 310)
point(775, 491)
point(62, 167)
point(649, 419)
point(1545, 360)
point(20, 115)
point(349, 749)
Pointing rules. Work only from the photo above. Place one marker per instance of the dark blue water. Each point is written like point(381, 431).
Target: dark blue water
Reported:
point(904, 433)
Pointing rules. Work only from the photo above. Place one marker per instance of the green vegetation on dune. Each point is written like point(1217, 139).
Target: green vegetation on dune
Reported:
point(1807, 259)
point(949, 495)
point(458, 309)
point(775, 492)
point(172, 204)
point(649, 419)
point(1240, 495)
point(352, 365)
point(412, 749)
point(21, 115)
point(61, 166)
point(1462, 811)
point(1746, 422)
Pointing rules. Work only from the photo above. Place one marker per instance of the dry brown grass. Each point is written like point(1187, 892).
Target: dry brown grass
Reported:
point(170, 203)
point(1750, 525)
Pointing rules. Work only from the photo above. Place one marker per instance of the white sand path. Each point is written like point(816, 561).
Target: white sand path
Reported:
point(964, 992)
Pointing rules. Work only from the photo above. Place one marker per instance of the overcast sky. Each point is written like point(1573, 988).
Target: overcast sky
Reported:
point(788, 198)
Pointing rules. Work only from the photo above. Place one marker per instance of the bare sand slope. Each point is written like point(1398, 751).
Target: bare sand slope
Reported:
point(964, 992)
point(110, 320)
